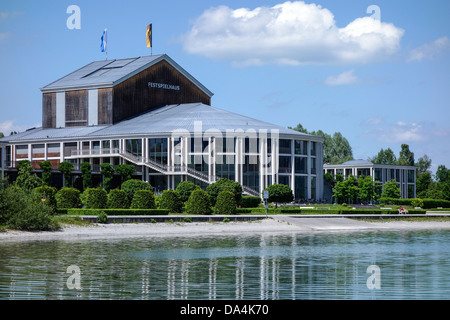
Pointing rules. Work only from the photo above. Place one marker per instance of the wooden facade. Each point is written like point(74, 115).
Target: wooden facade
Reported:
point(159, 85)
point(49, 110)
point(135, 96)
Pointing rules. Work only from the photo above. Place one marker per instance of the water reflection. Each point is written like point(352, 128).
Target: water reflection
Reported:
point(297, 266)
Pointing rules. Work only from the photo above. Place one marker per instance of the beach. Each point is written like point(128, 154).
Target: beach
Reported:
point(278, 224)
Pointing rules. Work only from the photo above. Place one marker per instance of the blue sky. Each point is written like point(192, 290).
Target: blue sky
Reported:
point(380, 78)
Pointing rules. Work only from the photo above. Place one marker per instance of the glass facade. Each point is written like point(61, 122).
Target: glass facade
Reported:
point(157, 150)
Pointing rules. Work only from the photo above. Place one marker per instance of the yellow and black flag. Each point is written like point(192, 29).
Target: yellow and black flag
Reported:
point(149, 36)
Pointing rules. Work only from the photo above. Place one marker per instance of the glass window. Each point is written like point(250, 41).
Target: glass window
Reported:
point(285, 146)
point(157, 150)
point(313, 148)
point(378, 172)
point(301, 165)
point(286, 180)
point(134, 146)
point(53, 150)
point(300, 190)
point(284, 164)
point(38, 150)
point(301, 147)
point(313, 187)
point(250, 170)
point(313, 166)
point(21, 152)
point(251, 145)
point(411, 176)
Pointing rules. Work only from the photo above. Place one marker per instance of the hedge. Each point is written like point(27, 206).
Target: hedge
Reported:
point(250, 202)
point(119, 212)
point(427, 203)
point(118, 199)
point(198, 203)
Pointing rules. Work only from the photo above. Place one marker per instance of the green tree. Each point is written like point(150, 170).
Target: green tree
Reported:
point(423, 182)
point(384, 157)
point(346, 191)
point(406, 157)
point(86, 175)
point(423, 165)
point(107, 171)
point(366, 188)
point(336, 148)
point(95, 198)
point(46, 167)
point(25, 179)
point(66, 169)
point(391, 190)
point(125, 171)
point(442, 174)
point(279, 193)
point(185, 189)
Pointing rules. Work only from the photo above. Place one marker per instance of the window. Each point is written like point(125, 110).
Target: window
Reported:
point(251, 172)
point(251, 145)
point(286, 180)
point(21, 152)
point(53, 150)
point(284, 164)
point(301, 165)
point(134, 146)
point(301, 190)
point(313, 148)
point(301, 147)
point(285, 146)
point(38, 150)
point(157, 150)
point(313, 166)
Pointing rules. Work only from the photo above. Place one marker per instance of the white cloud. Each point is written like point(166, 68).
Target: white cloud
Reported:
point(291, 33)
point(345, 78)
point(8, 126)
point(430, 50)
point(400, 132)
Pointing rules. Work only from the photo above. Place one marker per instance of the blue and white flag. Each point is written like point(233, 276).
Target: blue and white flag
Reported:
point(103, 44)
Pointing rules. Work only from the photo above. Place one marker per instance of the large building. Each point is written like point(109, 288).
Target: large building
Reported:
point(150, 112)
point(380, 173)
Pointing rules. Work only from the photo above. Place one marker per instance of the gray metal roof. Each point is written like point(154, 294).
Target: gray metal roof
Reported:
point(108, 73)
point(164, 120)
point(186, 117)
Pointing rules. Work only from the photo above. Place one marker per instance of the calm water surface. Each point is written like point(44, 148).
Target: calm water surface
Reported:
point(411, 265)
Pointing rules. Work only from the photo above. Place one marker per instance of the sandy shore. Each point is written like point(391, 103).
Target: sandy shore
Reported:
point(282, 224)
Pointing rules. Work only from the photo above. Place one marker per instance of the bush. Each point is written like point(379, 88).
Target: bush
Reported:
point(171, 200)
point(118, 199)
point(185, 189)
point(133, 185)
point(143, 199)
point(250, 202)
point(21, 211)
point(95, 198)
point(225, 203)
point(417, 203)
point(102, 217)
point(68, 197)
point(46, 195)
point(198, 203)
point(224, 184)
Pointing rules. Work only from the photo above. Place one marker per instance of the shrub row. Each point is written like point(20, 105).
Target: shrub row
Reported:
point(118, 212)
point(322, 211)
point(427, 203)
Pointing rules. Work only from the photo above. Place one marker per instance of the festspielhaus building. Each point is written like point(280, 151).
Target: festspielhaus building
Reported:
point(150, 112)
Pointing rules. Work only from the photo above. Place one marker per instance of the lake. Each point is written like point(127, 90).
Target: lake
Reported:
point(341, 265)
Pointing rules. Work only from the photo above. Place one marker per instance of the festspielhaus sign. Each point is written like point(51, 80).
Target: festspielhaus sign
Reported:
point(163, 86)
